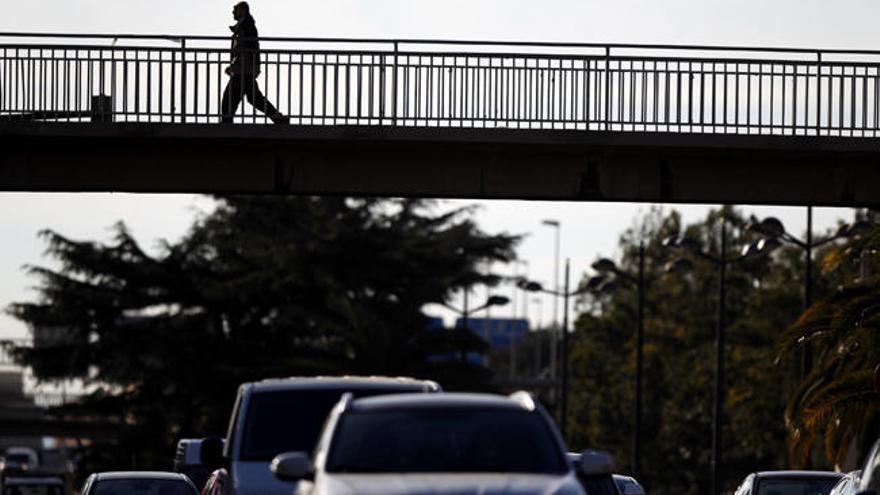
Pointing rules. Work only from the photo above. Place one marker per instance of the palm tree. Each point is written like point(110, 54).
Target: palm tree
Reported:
point(836, 401)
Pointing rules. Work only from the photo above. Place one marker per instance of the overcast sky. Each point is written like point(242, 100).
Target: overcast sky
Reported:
point(588, 229)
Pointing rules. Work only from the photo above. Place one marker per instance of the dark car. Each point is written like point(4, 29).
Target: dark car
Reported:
point(138, 483)
point(789, 483)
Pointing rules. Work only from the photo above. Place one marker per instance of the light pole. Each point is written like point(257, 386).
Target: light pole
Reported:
point(721, 261)
point(607, 266)
point(465, 312)
point(538, 335)
point(772, 228)
point(553, 340)
point(532, 286)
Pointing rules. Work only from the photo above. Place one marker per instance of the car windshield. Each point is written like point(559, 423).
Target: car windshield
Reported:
point(796, 486)
point(33, 489)
point(142, 487)
point(291, 420)
point(446, 440)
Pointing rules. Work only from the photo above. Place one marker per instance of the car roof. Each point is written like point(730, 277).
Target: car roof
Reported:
point(798, 474)
point(139, 475)
point(33, 480)
point(394, 402)
point(343, 383)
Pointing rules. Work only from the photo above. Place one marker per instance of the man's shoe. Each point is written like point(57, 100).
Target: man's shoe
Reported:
point(281, 119)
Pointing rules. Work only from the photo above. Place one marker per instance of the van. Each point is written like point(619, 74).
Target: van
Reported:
point(284, 415)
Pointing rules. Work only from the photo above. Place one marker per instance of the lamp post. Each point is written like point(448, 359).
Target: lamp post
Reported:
point(721, 261)
point(553, 344)
point(772, 228)
point(533, 286)
point(607, 266)
point(465, 312)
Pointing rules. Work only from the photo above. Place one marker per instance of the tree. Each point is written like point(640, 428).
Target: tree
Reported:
point(260, 287)
point(763, 297)
point(836, 404)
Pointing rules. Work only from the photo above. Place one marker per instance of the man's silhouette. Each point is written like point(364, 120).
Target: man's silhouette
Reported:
point(244, 69)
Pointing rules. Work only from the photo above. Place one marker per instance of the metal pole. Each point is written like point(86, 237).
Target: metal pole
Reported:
point(640, 341)
point(564, 399)
point(807, 356)
point(719, 369)
point(807, 362)
point(554, 343)
point(183, 80)
point(464, 320)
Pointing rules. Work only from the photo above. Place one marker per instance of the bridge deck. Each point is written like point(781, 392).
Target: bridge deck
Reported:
point(465, 163)
point(450, 119)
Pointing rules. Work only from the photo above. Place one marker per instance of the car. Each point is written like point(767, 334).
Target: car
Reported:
point(449, 443)
point(628, 485)
point(19, 460)
point(187, 460)
point(869, 483)
point(280, 415)
point(33, 485)
point(848, 484)
point(138, 483)
point(593, 484)
point(783, 482)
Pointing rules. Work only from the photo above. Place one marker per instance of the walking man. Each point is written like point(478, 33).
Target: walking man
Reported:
point(244, 69)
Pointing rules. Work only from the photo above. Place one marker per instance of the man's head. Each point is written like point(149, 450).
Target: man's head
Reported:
point(240, 10)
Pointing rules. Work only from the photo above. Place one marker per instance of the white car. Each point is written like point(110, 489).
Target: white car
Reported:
point(847, 485)
point(439, 444)
point(869, 484)
point(628, 485)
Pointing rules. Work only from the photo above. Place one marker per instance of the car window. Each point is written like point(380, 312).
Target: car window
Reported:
point(445, 440)
point(796, 487)
point(291, 420)
point(142, 487)
point(598, 485)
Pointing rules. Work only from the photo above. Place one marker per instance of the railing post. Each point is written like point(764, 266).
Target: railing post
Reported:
point(183, 80)
point(607, 87)
point(818, 93)
point(394, 88)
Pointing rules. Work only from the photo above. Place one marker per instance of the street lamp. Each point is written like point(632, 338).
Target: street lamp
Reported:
point(774, 231)
point(555, 225)
point(465, 312)
point(533, 286)
point(721, 261)
point(605, 266)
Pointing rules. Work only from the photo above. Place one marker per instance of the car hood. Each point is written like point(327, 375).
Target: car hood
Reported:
point(255, 478)
point(448, 484)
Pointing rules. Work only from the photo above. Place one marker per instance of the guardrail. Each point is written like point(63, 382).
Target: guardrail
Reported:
point(679, 89)
point(6, 345)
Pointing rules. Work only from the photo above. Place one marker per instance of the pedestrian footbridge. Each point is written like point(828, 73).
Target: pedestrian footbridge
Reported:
point(443, 119)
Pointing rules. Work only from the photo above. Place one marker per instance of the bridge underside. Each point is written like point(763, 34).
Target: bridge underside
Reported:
point(439, 162)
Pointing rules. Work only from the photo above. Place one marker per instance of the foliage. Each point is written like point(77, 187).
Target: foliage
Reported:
point(836, 404)
point(260, 287)
point(762, 297)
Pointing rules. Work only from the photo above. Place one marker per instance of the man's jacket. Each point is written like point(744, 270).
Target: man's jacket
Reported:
point(245, 47)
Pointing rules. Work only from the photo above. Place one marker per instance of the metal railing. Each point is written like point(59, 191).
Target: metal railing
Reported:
point(6, 347)
point(677, 89)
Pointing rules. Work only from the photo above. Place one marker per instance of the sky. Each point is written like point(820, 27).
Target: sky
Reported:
point(588, 230)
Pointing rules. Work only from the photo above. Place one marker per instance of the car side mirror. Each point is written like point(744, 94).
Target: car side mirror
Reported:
point(596, 462)
point(291, 466)
point(211, 452)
